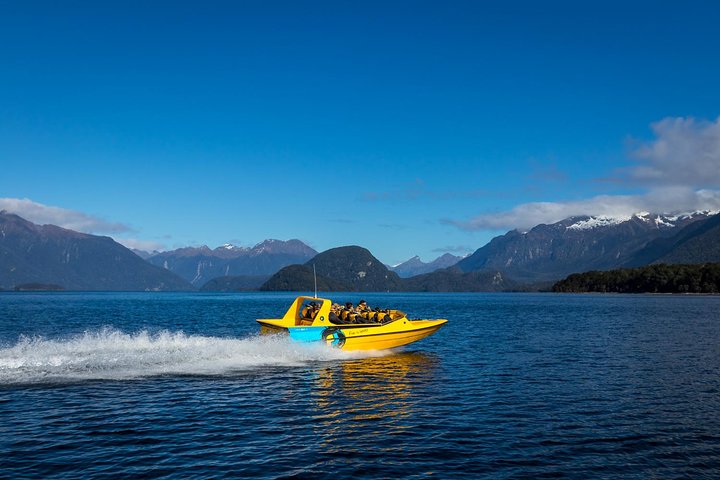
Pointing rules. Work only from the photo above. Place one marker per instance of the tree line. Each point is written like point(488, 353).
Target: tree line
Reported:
point(659, 278)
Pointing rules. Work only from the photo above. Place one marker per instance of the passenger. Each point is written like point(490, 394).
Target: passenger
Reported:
point(349, 314)
point(334, 310)
point(381, 316)
point(364, 311)
point(345, 314)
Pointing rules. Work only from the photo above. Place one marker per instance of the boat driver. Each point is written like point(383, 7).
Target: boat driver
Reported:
point(310, 311)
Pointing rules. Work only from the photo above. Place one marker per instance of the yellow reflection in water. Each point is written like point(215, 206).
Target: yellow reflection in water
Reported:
point(369, 397)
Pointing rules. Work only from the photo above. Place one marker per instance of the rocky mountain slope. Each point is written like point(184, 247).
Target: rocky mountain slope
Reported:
point(300, 278)
point(576, 244)
point(455, 280)
point(47, 254)
point(698, 242)
point(350, 268)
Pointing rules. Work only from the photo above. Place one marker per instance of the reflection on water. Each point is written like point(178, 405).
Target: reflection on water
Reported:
point(369, 397)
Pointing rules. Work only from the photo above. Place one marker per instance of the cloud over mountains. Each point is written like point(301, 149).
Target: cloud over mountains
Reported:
point(527, 215)
point(71, 219)
point(677, 171)
point(74, 220)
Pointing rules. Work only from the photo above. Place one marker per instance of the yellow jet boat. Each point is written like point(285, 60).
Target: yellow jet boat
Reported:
point(388, 329)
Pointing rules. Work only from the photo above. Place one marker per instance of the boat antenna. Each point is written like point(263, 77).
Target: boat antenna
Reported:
point(315, 278)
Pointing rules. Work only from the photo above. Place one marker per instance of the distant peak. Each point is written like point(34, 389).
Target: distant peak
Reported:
point(411, 261)
point(270, 242)
point(188, 251)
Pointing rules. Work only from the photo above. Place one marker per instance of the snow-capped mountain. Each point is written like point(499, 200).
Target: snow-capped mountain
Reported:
point(577, 244)
point(660, 220)
point(228, 246)
point(200, 264)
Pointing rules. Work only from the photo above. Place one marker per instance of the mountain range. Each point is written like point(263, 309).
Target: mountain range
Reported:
point(578, 244)
point(355, 269)
point(49, 257)
point(198, 265)
point(339, 269)
point(415, 266)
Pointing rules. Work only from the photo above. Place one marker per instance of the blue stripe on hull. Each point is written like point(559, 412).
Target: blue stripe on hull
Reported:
point(306, 334)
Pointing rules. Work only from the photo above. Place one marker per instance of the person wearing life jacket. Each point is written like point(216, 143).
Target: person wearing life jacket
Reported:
point(365, 311)
point(379, 315)
point(310, 310)
point(347, 313)
point(334, 316)
point(342, 315)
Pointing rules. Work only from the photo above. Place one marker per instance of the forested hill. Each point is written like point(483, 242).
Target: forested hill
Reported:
point(659, 278)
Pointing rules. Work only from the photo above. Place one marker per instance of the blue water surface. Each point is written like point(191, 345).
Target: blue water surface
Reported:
point(177, 385)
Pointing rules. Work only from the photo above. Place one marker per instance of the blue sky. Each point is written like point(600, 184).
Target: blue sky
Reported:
point(405, 127)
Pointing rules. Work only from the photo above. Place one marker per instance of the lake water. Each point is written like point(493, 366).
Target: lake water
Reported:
point(150, 385)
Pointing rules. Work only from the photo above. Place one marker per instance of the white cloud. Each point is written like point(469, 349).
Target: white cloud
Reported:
point(679, 170)
point(146, 245)
point(685, 152)
point(527, 215)
point(62, 217)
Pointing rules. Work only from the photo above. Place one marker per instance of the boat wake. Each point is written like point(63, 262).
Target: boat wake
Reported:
point(110, 354)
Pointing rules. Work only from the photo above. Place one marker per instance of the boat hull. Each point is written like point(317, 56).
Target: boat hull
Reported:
point(360, 337)
point(361, 340)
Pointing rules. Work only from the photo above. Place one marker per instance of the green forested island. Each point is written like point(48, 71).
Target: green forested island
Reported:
point(658, 278)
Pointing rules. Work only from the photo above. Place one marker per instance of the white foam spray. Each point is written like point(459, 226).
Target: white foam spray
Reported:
point(112, 354)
